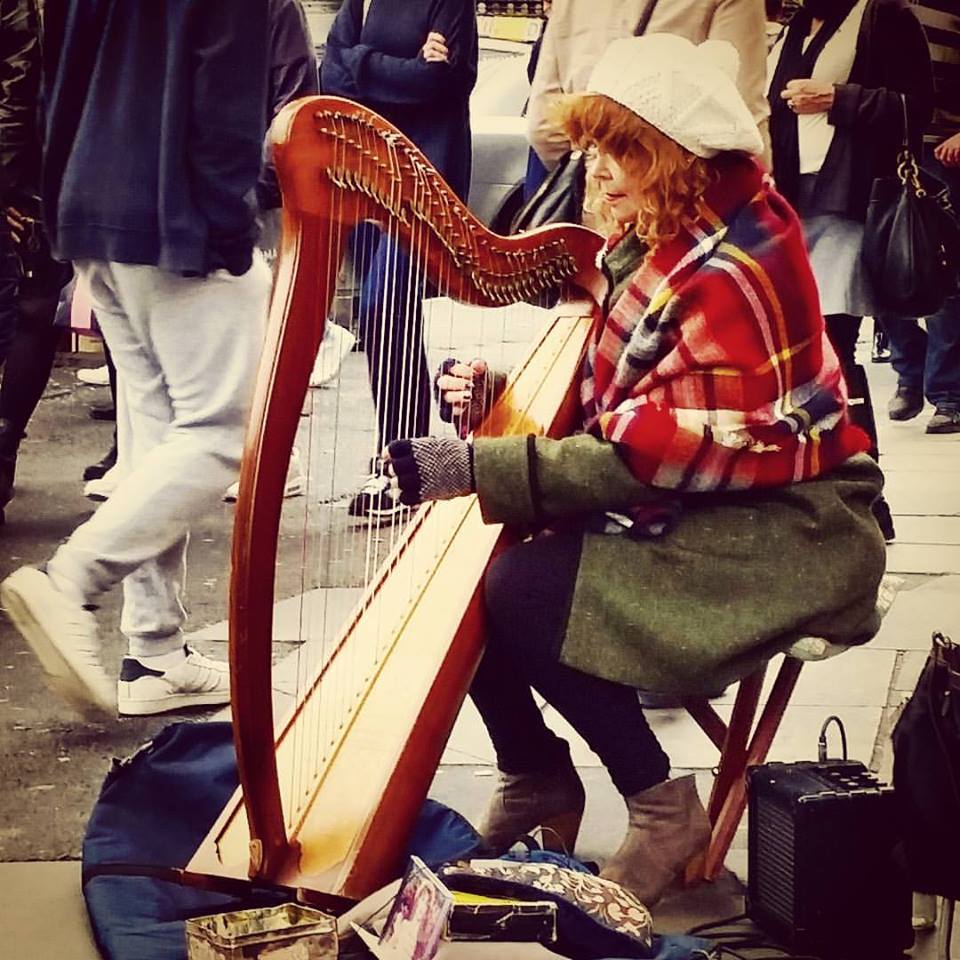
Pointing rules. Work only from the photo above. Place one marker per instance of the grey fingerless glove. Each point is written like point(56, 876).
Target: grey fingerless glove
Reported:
point(432, 468)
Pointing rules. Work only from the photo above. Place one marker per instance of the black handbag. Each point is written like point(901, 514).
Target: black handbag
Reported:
point(559, 198)
point(911, 246)
point(926, 774)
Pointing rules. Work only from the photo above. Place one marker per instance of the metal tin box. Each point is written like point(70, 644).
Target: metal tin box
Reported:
point(287, 932)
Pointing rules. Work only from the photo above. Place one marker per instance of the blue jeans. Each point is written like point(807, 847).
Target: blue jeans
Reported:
point(929, 360)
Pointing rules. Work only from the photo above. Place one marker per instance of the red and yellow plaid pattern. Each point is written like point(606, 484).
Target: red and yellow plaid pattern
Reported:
point(713, 370)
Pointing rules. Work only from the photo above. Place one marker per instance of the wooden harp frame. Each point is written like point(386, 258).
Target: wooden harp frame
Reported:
point(339, 164)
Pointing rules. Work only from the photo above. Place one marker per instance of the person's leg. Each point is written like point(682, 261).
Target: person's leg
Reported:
point(393, 340)
point(942, 372)
point(10, 433)
point(942, 382)
point(25, 376)
point(528, 594)
point(529, 590)
point(843, 331)
point(908, 352)
point(391, 329)
point(96, 471)
point(186, 351)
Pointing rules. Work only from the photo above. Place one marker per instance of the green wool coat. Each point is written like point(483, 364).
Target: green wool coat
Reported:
point(738, 579)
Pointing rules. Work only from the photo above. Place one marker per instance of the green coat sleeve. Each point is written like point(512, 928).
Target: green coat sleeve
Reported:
point(575, 475)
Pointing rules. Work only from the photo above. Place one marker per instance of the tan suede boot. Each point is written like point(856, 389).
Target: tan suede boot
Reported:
point(552, 799)
point(667, 827)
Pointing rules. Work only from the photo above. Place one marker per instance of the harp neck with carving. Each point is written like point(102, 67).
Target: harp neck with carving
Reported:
point(340, 826)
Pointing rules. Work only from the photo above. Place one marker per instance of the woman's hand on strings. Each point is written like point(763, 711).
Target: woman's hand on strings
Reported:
point(430, 468)
point(466, 391)
point(809, 96)
point(435, 49)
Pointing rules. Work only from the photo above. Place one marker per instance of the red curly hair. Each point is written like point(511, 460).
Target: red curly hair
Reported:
point(669, 180)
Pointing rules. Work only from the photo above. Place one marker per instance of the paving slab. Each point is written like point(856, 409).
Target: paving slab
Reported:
point(918, 612)
point(43, 916)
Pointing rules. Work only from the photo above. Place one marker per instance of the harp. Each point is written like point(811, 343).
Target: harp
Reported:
point(329, 793)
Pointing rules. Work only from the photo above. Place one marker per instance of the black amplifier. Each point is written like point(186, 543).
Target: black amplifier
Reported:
point(821, 875)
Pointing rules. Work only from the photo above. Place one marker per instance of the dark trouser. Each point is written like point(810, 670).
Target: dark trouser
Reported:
point(843, 331)
point(529, 589)
point(9, 293)
point(929, 361)
point(391, 327)
point(28, 336)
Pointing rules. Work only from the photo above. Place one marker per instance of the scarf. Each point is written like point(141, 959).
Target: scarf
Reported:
point(713, 370)
point(795, 63)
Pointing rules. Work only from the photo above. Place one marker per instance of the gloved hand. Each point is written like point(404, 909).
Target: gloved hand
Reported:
point(431, 468)
point(466, 392)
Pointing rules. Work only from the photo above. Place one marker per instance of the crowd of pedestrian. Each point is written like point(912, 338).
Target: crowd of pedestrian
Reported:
point(721, 495)
point(169, 104)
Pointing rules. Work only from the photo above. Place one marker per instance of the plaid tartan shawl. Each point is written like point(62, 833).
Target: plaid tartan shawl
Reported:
point(713, 370)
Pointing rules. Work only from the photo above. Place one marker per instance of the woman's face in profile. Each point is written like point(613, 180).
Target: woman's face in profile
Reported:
point(613, 186)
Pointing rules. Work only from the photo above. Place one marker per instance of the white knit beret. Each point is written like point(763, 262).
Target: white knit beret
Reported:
point(685, 90)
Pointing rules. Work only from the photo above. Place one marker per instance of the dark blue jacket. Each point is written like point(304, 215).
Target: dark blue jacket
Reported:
point(378, 63)
point(293, 74)
point(155, 123)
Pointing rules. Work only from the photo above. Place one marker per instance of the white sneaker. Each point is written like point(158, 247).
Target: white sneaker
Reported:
point(102, 488)
point(197, 681)
point(64, 638)
point(337, 342)
point(296, 485)
point(94, 376)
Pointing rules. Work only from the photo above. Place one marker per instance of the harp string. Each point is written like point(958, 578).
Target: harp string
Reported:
point(406, 297)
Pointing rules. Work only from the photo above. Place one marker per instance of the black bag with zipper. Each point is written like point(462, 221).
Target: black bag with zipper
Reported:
point(559, 198)
point(911, 244)
point(926, 774)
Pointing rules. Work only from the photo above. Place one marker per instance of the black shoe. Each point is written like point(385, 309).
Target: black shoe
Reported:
point(377, 501)
point(905, 404)
point(881, 510)
point(96, 470)
point(945, 420)
point(103, 413)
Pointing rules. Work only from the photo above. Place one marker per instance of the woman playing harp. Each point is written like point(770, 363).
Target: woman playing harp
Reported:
point(715, 504)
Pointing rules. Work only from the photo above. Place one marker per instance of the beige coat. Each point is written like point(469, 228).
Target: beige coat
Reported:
point(578, 32)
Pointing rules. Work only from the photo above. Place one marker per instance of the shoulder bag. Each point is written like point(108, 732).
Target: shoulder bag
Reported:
point(911, 246)
point(560, 197)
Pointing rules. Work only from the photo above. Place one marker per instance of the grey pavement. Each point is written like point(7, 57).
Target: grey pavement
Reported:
point(53, 764)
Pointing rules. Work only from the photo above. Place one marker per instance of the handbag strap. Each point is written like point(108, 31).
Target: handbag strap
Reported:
point(906, 121)
point(644, 20)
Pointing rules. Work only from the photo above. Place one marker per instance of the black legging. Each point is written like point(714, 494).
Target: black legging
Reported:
point(843, 330)
point(528, 592)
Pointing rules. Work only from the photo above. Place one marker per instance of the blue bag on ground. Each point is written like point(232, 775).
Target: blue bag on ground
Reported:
point(154, 810)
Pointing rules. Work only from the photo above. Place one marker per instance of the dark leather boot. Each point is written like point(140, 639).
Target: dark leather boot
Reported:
point(9, 444)
point(666, 829)
point(552, 799)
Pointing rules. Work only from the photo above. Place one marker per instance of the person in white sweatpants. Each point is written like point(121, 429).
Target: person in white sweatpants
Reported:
point(186, 349)
point(152, 154)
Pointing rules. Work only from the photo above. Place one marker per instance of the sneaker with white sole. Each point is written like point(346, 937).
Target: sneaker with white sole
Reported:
point(197, 681)
point(94, 376)
point(337, 342)
point(295, 485)
point(378, 501)
point(102, 488)
point(64, 637)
